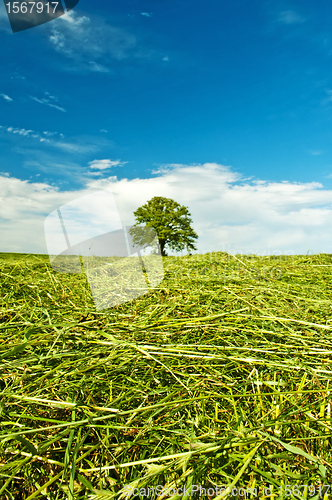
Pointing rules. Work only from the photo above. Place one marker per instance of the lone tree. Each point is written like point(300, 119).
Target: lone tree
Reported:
point(171, 222)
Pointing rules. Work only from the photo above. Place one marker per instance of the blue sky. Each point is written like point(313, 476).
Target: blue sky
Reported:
point(126, 88)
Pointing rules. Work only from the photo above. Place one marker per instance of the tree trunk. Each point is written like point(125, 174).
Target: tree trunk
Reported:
point(162, 248)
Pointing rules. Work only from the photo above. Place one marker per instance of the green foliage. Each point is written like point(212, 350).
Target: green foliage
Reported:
point(170, 220)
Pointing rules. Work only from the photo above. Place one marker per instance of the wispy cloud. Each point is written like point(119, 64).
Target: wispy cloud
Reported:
point(84, 144)
point(104, 164)
point(17, 76)
point(52, 134)
point(41, 136)
point(76, 147)
point(6, 97)
point(146, 14)
point(49, 100)
point(50, 165)
point(54, 139)
point(80, 145)
point(92, 43)
point(290, 17)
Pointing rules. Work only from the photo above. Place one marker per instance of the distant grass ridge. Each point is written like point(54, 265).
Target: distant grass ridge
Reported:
point(218, 378)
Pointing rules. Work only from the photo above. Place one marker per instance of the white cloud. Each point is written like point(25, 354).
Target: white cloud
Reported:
point(146, 14)
point(104, 164)
point(228, 212)
point(20, 131)
point(23, 208)
point(81, 145)
point(98, 68)
point(290, 17)
point(30, 133)
point(49, 100)
point(6, 97)
point(51, 134)
point(91, 43)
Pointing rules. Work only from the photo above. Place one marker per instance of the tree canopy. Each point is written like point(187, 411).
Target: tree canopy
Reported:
point(171, 222)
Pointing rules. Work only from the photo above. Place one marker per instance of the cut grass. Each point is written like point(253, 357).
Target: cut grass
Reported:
point(218, 377)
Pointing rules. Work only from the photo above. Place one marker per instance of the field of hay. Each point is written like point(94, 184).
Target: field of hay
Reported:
point(213, 385)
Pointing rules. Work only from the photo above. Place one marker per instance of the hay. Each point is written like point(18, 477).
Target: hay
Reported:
point(218, 377)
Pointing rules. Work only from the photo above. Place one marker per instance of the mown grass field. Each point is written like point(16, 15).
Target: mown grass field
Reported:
point(219, 377)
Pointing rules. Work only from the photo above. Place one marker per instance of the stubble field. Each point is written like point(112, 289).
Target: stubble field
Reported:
point(213, 385)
